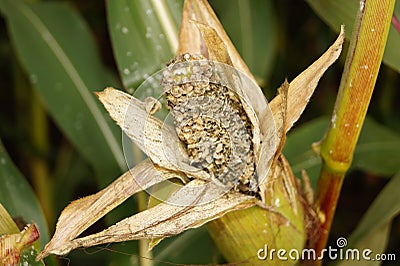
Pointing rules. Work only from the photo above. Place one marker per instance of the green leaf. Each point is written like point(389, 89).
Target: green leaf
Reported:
point(7, 224)
point(376, 151)
point(28, 257)
point(186, 248)
point(337, 12)
point(298, 150)
point(375, 241)
point(144, 36)
point(18, 197)
point(56, 49)
point(252, 27)
point(373, 230)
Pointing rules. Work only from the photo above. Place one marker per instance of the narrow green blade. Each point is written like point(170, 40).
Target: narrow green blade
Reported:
point(337, 12)
point(56, 49)
point(144, 36)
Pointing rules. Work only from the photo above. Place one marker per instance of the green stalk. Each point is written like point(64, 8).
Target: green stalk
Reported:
point(361, 69)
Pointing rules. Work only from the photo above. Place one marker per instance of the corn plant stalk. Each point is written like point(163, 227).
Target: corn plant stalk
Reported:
point(361, 69)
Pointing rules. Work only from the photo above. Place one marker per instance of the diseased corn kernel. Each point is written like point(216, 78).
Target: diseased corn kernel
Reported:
point(210, 120)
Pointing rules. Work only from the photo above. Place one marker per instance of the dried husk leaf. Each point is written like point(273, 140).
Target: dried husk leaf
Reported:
point(192, 41)
point(155, 138)
point(273, 141)
point(165, 219)
point(211, 39)
point(82, 213)
point(158, 196)
point(303, 86)
point(289, 104)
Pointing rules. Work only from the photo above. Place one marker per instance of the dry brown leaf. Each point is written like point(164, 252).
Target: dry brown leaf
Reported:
point(191, 41)
point(82, 213)
point(287, 107)
point(273, 139)
point(155, 138)
point(219, 52)
point(303, 86)
point(195, 208)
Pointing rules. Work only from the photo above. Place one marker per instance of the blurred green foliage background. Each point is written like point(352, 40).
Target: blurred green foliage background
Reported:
point(58, 143)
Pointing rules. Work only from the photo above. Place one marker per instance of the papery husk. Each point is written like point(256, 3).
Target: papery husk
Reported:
point(189, 207)
point(81, 214)
point(155, 138)
point(191, 40)
point(303, 86)
point(280, 222)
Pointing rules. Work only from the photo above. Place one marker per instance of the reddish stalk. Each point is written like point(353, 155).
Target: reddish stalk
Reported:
point(361, 69)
